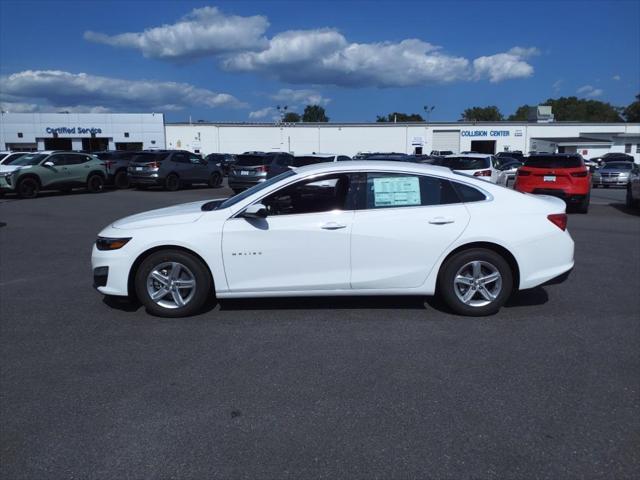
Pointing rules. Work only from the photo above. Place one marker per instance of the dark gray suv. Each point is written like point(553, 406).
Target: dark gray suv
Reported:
point(252, 168)
point(172, 169)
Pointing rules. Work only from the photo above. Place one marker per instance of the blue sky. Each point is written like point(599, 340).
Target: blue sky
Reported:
point(234, 61)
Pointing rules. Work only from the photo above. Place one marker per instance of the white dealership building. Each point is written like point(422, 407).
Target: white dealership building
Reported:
point(136, 131)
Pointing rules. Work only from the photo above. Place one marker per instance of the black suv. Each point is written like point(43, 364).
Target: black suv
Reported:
point(252, 168)
point(224, 160)
point(172, 169)
point(116, 163)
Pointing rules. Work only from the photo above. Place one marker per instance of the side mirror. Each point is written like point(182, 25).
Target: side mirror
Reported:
point(257, 210)
point(48, 164)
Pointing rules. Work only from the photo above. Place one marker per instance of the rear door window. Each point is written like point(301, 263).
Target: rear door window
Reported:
point(466, 163)
point(180, 157)
point(468, 194)
point(393, 190)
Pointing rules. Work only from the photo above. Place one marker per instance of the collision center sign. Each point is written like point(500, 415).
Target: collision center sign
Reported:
point(485, 133)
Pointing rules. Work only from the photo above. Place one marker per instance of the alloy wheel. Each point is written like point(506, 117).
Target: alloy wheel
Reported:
point(171, 285)
point(477, 283)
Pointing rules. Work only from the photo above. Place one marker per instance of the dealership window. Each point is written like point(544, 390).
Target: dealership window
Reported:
point(126, 134)
point(627, 148)
point(638, 148)
point(19, 134)
point(153, 142)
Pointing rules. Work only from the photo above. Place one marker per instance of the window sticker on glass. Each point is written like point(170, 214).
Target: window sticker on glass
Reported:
point(396, 191)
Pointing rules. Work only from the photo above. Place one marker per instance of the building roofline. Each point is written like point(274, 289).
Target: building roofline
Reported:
point(398, 124)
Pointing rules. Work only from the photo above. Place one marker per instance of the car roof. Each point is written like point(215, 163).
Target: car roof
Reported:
point(378, 165)
point(316, 154)
point(469, 155)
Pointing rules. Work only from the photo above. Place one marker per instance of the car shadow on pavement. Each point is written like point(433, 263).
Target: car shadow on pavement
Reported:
point(621, 207)
point(324, 303)
point(528, 298)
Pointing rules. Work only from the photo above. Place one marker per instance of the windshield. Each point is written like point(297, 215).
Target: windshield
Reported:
point(253, 160)
point(256, 188)
point(618, 166)
point(310, 160)
point(465, 163)
point(2, 155)
point(543, 161)
point(11, 158)
point(30, 159)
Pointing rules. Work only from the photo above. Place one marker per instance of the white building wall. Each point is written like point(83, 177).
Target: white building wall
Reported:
point(146, 128)
point(351, 139)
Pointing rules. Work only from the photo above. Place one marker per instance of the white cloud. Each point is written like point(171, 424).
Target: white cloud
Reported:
point(205, 31)
point(325, 56)
point(556, 85)
point(58, 91)
point(262, 113)
point(589, 91)
point(296, 98)
point(616, 77)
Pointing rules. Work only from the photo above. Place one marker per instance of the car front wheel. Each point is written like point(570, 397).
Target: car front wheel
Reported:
point(476, 282)
point(28, 188)
point(172, 283)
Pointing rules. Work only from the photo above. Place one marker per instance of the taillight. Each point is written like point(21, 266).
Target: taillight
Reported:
point(559, 220)
point(523, 173)
point(153, 165)
point(108, 164)
point(579, 174)
point(482, 173)
point(261, 168)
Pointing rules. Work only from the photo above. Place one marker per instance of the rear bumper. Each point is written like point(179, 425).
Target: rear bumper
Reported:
point(569, 196)
point(138, 180)
point(559, 279)
point(244, 183)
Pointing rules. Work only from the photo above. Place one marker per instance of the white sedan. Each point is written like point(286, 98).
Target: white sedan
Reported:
point(345, 228)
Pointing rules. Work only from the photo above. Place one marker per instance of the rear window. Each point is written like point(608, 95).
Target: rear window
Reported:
point(618, 166)
point(253, 160)
point(468, 194)
point(150, 157)
point(543, 161)
point(465, 163)
point(302, 161)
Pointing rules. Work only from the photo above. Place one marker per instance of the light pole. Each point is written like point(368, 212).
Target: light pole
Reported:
point(282, 111)
point(427, 110)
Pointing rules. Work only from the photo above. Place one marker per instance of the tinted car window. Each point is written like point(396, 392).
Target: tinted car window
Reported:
point(150, 157)
point(180, 157)
point(465, 163)
point(343, 158)
point(13, 158)
point(310, 160)
point(253, 160)
point(390, 190)
point(283, 160)
point(551, 161)
point(30, 159)
point(2, 155)
point(320, 194)
point(73, 159)
point(468, 194)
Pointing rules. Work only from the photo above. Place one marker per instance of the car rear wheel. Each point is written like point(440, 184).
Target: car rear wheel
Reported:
point(28, 188)
point(95, 183)
point(172, 283)
point(172, 183)
point(475, 282)
point(215, 180)
point(121, 180)
point(630, 201)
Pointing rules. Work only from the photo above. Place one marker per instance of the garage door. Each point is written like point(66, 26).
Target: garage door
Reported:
point(446, 140)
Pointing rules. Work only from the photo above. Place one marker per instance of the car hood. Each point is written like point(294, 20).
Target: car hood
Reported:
point(176, 215)
point(11, 168)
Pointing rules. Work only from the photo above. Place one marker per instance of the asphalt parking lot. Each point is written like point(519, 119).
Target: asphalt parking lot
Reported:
point(312, 388)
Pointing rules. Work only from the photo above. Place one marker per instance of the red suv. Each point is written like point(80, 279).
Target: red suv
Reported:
point(560, 175)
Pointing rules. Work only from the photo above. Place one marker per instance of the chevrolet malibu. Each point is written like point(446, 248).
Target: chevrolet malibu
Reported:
point(345, 228)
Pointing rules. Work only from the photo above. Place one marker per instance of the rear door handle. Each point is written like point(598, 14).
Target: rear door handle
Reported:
point(332, 226)
point(441, 220)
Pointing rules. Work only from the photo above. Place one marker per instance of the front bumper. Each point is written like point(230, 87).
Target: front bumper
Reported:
point(615, 182)
point(111, 271)
point(6, 185)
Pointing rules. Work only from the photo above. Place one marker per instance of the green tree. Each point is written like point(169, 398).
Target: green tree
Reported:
point(291, 117)
point(632, 111)
point(314, 113)
point(482, 114)
point(574, 109)
point(521, 114)
point(400, 117)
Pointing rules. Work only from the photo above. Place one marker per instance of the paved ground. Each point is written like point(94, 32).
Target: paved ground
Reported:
point(330, 388)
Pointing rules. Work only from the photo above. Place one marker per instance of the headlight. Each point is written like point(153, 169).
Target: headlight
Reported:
point(103, 243)
point(5, 174)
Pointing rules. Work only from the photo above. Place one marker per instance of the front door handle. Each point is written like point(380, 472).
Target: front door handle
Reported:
point(441, 220)
point(332, 226)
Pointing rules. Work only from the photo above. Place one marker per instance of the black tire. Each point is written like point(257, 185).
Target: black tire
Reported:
point(215, 180)
point(28, 188)
point(195, 300)
point(447, 287)
point(630, 202)
point(172, 182)
point(583, 206)
point(595, 185)
point(121, 180)
point(141, 187)
point(95, 183)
